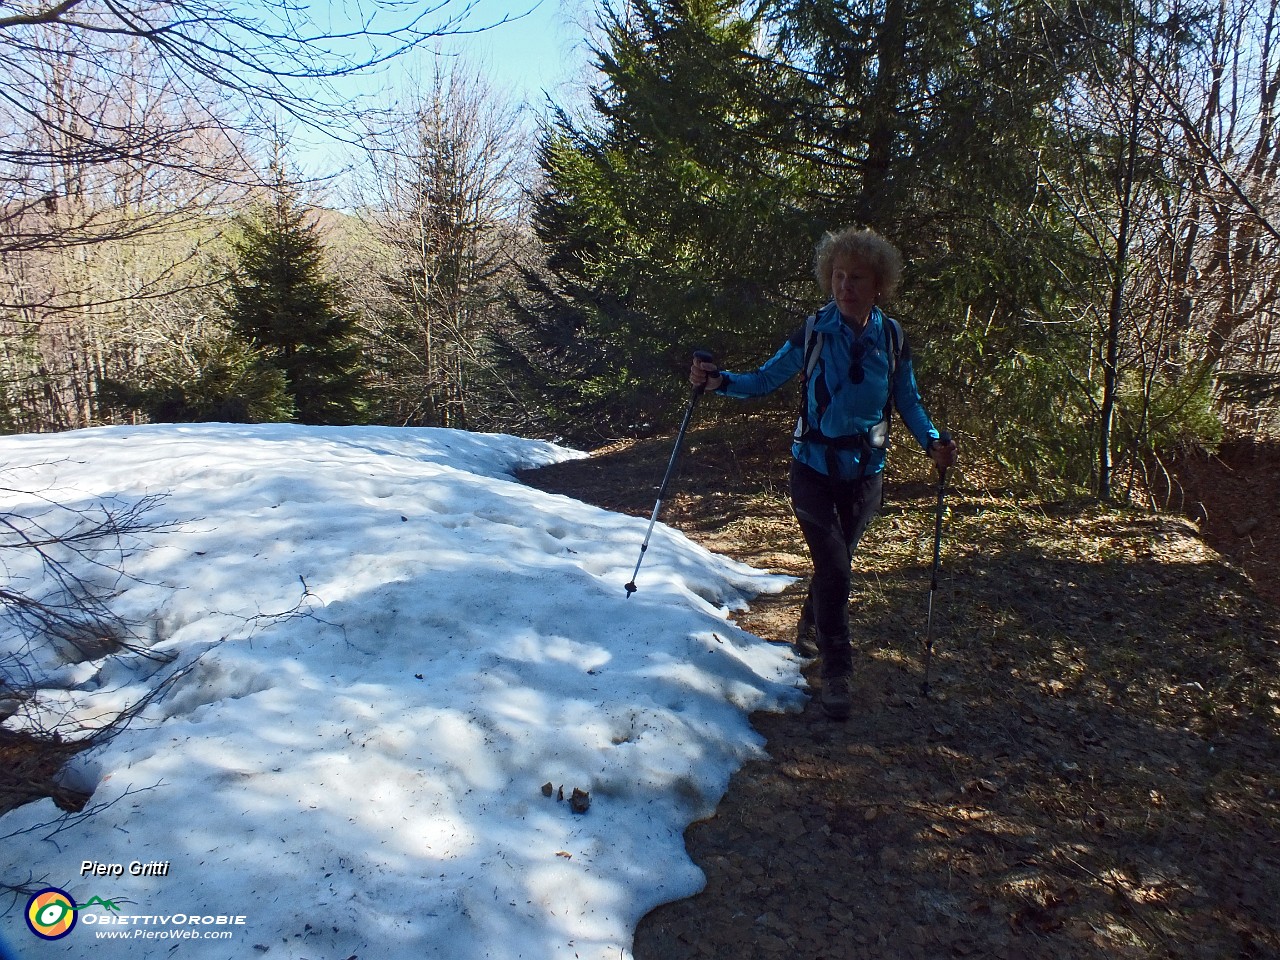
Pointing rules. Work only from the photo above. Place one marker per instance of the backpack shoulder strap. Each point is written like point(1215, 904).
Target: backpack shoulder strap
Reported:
point(812, 345)
point(812, 351)
point(893, 347)
point(893, 343)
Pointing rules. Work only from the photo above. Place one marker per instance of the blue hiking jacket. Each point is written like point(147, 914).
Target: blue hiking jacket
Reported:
point(835, 406)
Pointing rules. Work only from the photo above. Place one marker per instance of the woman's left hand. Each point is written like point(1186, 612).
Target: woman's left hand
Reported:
point(943, 454)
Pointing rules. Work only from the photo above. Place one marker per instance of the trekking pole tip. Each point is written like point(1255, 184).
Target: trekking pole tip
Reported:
point(631, 588)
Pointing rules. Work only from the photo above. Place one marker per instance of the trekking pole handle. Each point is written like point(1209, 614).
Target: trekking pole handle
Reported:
point(944, 437)
point(702, 356)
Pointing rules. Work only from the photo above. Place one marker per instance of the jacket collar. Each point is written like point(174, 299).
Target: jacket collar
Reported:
point(829, 320)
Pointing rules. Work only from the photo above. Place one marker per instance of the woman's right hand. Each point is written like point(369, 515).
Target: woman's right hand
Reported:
point(705, 375)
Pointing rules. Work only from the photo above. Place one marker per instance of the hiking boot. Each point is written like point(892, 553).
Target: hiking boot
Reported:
point(806, 643)
point(837, 698)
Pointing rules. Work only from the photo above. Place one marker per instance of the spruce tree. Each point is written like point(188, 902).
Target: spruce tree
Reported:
point(936, 118)
point(282, 302)
point(672, 221)
point(727, 139)
point(216, 377)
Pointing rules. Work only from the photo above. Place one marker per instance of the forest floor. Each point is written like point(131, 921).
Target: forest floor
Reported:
point(1096, 773)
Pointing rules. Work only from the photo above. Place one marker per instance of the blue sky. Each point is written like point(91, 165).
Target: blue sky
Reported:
point(542, 51)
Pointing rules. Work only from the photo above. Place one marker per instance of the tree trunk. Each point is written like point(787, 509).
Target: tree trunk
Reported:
point(1115, 310)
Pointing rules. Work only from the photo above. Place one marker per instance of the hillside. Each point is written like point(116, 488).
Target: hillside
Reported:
point(1234, 496)
point(1097, 773)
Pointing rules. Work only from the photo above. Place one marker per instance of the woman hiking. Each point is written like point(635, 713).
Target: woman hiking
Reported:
point(856, 367)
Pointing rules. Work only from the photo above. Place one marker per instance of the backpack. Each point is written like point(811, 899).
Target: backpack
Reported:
point(878, 436)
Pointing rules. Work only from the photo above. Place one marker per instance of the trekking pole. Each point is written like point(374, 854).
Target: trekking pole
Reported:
point(937, 560)
point(706, 357)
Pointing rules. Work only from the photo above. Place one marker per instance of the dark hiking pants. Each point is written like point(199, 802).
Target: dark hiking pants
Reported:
point(833, 515)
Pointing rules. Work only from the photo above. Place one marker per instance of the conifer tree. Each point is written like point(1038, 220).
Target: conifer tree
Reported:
point(726, 139)
point(932, 122)
point(213, 378)
point(282, 302)
point(671, 221)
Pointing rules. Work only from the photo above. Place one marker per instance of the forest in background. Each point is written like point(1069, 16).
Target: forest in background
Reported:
point(1085, 195)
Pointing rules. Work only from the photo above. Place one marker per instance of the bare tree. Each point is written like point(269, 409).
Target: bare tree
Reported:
point(271, 59)
point(146, 85)
point(1171, 184)
point(1232, 284)
point(442, 197)
point(130, 125)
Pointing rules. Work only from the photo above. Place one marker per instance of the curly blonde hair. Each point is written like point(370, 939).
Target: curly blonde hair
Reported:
point(865, 246)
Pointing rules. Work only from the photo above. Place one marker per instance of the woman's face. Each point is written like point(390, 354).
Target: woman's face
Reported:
point(855, 287)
